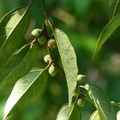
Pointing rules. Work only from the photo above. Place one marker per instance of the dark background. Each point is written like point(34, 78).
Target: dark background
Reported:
point(82, 21)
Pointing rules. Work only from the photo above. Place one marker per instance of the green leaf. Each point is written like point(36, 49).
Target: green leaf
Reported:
point(107, 32)
point(102, 101)
point(97, 115)
point(94, 116)
point(68, 58)
point(13, 27)
point(69, 113)
point(18, 65)
point(25, 89)
point(112, 7)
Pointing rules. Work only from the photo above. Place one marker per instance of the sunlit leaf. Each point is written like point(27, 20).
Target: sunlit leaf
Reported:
point(13, 27)
point(25, 89)
point(68, 58)
point(101, 101)
point(112, 7)
point(69, 113)
point(94, 116)
point(97, 115)
point(18, 65)
point(107, 32)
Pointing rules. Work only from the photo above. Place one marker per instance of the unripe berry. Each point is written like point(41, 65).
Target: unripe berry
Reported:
point(51, 43)
point(52, 70)
point(80, 78)
point(42, 40)
point(47, 58)
point(36, 32)
point(48, 28)
point(81, 102)
point(77, 91)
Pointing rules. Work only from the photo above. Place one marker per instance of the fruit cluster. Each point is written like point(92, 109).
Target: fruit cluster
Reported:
point(51, 44)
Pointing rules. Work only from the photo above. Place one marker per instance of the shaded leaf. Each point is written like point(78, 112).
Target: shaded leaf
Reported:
point(107, 32)
point(25, 89)
point(13, 27)
point(112, 7)
point(102, 101)
point(68, 58)
point(69, 113)
point(18, 65)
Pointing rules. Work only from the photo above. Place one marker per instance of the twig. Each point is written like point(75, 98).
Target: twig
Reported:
point(44, 9)
point(30, 4)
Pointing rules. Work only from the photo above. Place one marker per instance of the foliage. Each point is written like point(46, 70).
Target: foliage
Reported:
point(18, 66)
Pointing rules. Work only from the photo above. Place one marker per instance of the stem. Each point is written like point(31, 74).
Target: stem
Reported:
point(30, 4)
point(115, 104)
point(53, 61)
point(44, 31)
point(59, 68)
point(76, 99)
point(44, 9)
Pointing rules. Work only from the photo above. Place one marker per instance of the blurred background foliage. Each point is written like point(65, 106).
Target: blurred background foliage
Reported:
point(82, 21)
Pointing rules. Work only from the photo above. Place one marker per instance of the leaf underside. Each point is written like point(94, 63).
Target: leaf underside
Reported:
point(68, 58)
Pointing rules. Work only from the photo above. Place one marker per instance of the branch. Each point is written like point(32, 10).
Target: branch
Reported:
point(44, 9)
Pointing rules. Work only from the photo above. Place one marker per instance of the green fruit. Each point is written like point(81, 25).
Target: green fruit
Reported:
point(48, 27)
point(47, 58)
point(42, 40)
point(52, 70)
point(36, 32)
point(80, 78)
point(51, 43)
point(81, 102)
point(77, 91)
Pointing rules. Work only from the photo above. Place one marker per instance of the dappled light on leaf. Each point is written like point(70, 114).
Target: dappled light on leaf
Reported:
point(13, 27)
point(101, 101)
point(25, 89)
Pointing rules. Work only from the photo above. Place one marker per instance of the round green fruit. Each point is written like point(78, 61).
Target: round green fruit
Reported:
point(51, 43)
point(77, 91)
point(42, 40)
point(36, 32)
point(81, 102)
point(52, 70)
point(48, 27)
point(80, 78)
point(47, 58)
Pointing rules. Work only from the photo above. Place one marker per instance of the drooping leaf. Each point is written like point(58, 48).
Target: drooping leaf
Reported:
point(112, 7)
point(13, 27)
point(102, 101)
point(18, 65)
point(69, 113)
point(25, 89)
point(107, 32)
point(68, 58)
